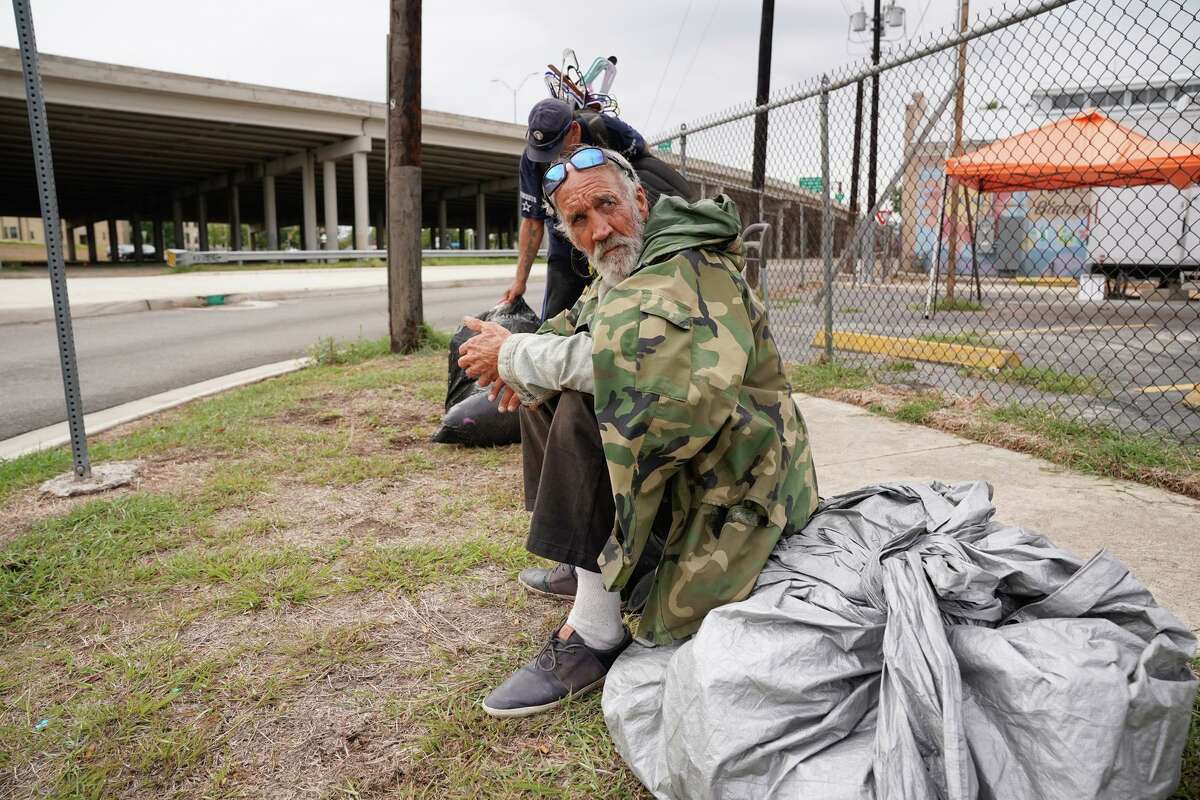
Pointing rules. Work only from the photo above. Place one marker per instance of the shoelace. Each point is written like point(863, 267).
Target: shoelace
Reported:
point(547, 657)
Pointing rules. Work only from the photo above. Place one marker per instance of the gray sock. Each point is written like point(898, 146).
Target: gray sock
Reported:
point(596, 615)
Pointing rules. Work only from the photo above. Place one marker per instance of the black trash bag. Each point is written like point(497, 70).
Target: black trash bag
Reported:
point(470, 418)
point(517, 316)
point(475, 422)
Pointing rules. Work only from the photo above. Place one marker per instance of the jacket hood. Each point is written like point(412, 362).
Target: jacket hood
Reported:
point(675, 224)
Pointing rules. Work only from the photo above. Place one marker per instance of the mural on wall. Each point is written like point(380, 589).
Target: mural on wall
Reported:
point(1018, 233)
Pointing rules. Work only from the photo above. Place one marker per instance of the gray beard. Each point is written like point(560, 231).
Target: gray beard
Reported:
point(619, 265)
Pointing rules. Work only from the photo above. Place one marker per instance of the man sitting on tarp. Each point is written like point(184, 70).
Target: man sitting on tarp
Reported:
point(660, 399)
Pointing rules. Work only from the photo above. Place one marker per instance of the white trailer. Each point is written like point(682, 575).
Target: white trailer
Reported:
point(1146, 233)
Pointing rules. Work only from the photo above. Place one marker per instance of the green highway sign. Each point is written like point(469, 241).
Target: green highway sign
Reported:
point(665, 146)
point(812, 184)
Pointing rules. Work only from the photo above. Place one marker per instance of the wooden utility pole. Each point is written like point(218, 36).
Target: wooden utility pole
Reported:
point(960, 86)
point(404, 175)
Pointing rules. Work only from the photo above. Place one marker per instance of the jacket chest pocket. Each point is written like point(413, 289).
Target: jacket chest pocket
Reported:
point(664, 348)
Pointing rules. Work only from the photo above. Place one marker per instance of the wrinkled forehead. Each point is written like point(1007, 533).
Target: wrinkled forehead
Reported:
point(582, 188)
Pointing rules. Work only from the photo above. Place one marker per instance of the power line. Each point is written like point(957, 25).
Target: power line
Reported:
point(670, 57)
point(692, 63)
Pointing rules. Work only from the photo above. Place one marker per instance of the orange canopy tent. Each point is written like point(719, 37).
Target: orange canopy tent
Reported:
point(1088, 149)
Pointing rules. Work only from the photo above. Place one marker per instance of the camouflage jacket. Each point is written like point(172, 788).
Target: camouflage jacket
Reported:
point(707, 453)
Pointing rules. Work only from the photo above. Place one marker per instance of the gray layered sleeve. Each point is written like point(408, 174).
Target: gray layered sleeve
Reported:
point(536, 366)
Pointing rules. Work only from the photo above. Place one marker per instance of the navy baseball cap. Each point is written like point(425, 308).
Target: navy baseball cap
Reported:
point(548, 123)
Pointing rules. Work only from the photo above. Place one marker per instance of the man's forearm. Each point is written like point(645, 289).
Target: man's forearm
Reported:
point(529, 239)
point(538, 365)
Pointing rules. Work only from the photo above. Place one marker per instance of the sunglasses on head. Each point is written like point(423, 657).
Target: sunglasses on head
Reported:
point(581, 159)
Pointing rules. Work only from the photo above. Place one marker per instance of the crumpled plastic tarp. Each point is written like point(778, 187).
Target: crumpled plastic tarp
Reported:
point(904, 645)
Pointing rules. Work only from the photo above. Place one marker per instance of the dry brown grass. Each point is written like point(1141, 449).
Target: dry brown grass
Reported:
point(310, 603)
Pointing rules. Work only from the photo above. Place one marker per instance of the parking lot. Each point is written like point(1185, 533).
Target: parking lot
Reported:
point(1129, 362)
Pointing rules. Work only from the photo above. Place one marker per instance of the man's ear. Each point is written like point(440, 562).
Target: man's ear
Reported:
point(643, 205)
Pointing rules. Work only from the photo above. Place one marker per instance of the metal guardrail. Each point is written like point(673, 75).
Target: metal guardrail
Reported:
point(187, 258)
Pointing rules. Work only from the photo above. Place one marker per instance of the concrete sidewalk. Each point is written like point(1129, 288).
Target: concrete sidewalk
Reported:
point(1154, 532)
point(28, 299)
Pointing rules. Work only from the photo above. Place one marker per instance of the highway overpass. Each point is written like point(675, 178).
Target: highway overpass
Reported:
point(151, 146)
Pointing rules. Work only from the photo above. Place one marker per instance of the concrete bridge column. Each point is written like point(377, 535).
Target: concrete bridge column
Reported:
point(270, 219)
point(443, 241)
point(481, 220)
point(362, 210)
point(308, 182)
point(177, 224)
point(114, 253)
point(779, 234)
point(329, 181)
point(202, 221)
point(159, 241)
point(136, 223)
point(380, 229)
point(93, 256)
point(70, 237)
point(235, 216)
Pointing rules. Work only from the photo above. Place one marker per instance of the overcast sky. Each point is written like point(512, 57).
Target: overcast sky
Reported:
point(338, 47)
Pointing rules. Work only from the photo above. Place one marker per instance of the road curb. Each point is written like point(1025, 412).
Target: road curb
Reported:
point(17, 316)
point(57, 435)
point(921, 350)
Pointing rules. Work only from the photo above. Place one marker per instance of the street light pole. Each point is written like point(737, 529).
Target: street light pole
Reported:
point(516, 91)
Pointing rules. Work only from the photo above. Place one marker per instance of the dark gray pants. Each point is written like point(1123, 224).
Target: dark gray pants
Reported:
point(566, 481)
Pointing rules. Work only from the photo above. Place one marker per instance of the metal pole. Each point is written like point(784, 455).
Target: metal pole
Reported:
point(683, 151)
point(876, 36)
point(44, 167)
point(972, 228)
point(404, 175)
point(856, 158)
point(759, 171)
point(826, 221)
point(936, 268)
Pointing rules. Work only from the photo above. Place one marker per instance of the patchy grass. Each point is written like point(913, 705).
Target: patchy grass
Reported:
point(899, 366)
point(1091, 448)
point(302, 590)
point(818, 377)
point(956, 304)
point(1044, 379)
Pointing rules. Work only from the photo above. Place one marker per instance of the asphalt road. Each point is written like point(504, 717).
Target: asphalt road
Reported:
point(130, 356)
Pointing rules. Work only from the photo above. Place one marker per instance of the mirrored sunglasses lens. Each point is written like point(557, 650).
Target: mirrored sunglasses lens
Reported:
point(588, 157)
point(554, 176)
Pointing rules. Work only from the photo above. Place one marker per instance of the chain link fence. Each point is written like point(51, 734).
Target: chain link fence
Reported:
point(1021, 222)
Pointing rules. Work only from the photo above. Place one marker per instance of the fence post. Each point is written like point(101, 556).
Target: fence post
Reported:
point(826, 218)
point(683, 150)
point(44, 167)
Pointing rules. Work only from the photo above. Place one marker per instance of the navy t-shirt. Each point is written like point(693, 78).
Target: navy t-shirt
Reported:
point(621, 137)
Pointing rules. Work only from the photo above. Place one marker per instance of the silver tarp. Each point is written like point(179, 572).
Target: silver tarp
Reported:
point(904, 645)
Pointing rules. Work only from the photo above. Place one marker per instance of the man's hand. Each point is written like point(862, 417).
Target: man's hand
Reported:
point(508, 400)
point(513, 292)
point(479, 356)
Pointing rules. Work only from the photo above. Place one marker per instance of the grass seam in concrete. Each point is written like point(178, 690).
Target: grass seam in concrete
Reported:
point(56, 435)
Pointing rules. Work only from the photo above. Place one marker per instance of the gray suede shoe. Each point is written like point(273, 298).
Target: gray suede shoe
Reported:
point(558, 581)
point(563, 668)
